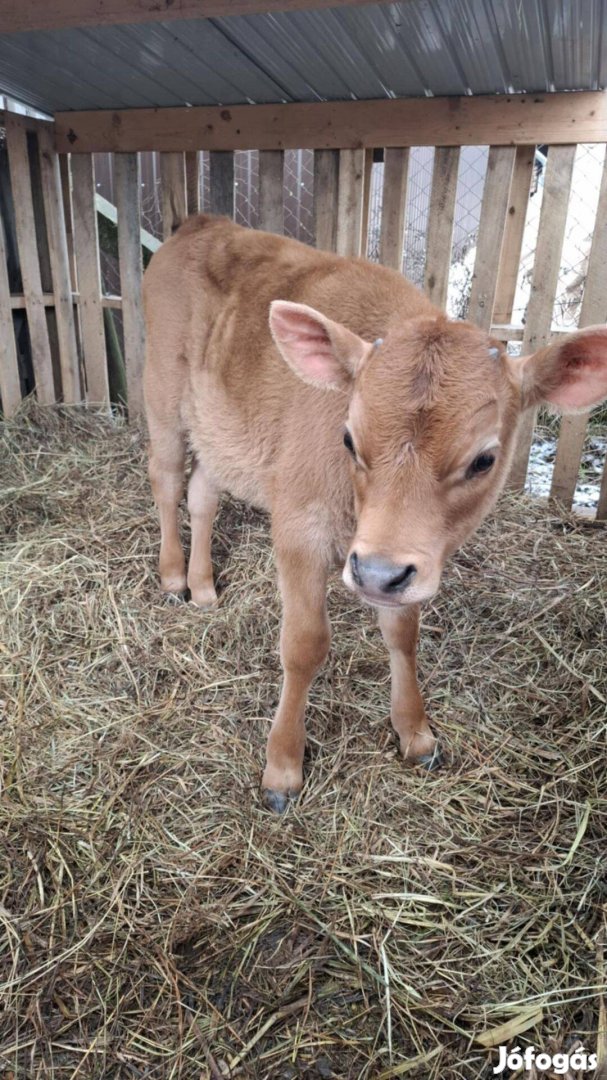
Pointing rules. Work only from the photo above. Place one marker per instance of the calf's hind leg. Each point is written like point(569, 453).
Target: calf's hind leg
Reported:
point(304, 643)
point(166, 467)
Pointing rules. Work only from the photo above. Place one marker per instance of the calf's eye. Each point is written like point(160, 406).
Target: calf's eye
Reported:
point(481, 464)
point(348, 443)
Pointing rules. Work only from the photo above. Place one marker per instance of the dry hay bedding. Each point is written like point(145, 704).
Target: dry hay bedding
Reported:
point(159, 923)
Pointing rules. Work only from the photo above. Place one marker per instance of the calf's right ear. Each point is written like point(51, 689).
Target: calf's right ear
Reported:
point(322, 352)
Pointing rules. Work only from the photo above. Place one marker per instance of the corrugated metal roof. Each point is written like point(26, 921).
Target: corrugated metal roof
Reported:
point(412, 48)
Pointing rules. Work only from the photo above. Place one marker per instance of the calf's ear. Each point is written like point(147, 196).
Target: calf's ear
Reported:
point(322, 352)
point(571, 374)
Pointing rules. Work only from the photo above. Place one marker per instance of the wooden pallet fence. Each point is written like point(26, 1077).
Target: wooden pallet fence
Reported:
point(65, 186)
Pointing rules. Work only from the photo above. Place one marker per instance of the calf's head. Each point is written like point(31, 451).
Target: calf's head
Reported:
point(431, 428)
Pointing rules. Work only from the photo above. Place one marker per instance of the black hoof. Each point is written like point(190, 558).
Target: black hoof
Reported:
point(430, 762)
point(178, 597)
point(276, 801)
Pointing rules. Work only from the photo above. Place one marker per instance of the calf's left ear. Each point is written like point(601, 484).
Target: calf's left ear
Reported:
point(571, 374)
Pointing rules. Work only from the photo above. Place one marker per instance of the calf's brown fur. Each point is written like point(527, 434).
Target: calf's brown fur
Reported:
point(265, 354)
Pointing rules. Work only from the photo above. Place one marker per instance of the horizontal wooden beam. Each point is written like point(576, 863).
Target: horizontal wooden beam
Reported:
point(17, 300)
point(494, 120)
point(42, 15)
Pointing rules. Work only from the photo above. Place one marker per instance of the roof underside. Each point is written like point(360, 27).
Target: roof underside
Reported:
point(414, 48)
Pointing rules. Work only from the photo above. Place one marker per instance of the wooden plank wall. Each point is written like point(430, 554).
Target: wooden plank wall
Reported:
point(342, 186)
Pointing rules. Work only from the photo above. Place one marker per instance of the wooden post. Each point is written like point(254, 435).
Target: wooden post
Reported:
point(594, 310)
point(60, 267)
point(127, 188)
point(326, 183)
point(271, 173)
point(350, 201)
point(66, 190)
point(173, 188)
point(192, 180)
point(394, 201)
point(221, 179)
point(441, 219)
point(10, 386)
point(553, 218)
point(518, 201)
point(366, 209)
point(601, 510)
point(86, 250)
point(16, 138)
point(491, 234)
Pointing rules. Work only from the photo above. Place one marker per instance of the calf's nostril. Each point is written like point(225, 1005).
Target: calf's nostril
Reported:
point(355, 569)
point(400, 580)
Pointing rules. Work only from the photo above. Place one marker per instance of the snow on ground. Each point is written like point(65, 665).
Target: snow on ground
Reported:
point(541, 463)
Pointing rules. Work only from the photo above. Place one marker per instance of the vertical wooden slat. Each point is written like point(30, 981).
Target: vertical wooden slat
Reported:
point(127, 188)
point(271, 172)
point(594, 310)
point(60, 268)
point(441, 219)
point(10, 388)
point(16, 138)
point(192, 180)
point(326, 183)
point(66, 190)
point(86, 251)
point(174, 199)
point(491, 230)
point(366, 209)
point(394, 201)
point(350, 201)
point(518, 201)
point(553, 218)
point(221, 182)
point(601, 510)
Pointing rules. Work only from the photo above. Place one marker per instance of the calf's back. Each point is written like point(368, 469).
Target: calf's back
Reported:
point(262, 433)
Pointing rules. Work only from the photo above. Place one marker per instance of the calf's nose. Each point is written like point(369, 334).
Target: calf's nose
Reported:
point(375, 574)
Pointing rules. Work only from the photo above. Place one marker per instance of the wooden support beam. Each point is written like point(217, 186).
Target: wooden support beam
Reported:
point(173, 193)
point(86, 250)
point(60, 267)
point(271, 182)
point(221, 183)
point(394, 201)
point(192, 180)
point(16, 138)
point(10, 386)
point(326, 184)
point(441, 219)
point(66, 190)
point(490, 234)
point(518, 201)
point(40, 15)
point(366, 207)
point(538, 325)
point(594, 310)
point(127, 180)
point(601, 510)
point(350, 200)
point(496, 119)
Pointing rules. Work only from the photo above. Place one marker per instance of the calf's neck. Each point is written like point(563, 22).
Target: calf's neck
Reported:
point(376, 432)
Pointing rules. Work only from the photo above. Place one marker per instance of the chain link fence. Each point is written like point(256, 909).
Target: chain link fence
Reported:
point(298, 195)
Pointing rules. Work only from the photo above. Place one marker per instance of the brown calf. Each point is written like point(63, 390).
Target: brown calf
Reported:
point(375, 431)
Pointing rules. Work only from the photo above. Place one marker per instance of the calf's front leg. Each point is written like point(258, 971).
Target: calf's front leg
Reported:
point(304, 643)
point(400, 628)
